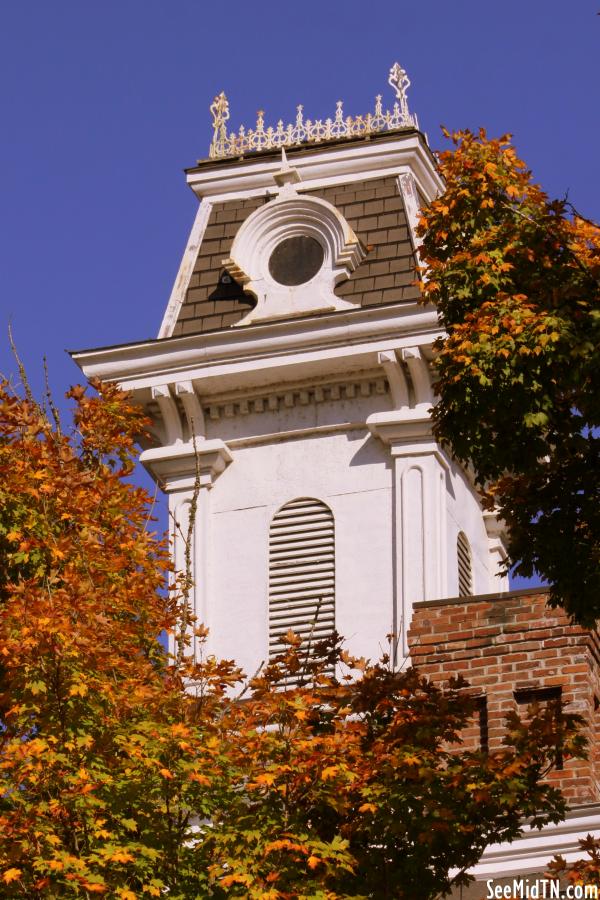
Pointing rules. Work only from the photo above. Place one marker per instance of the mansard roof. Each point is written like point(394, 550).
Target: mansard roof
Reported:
point(374, 209)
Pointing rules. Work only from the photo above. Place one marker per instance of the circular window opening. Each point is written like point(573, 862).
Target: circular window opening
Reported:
point(296, 260)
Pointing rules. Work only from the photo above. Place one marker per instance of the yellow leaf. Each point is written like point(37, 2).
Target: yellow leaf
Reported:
point(126, 894)
point(78, 689)
point(411, 760)
point(228, 880)
point(329, 772)
point(121, 856)
point(11, 875)
point(313, 862)
point(179, 730)
point(201, 779)
point(166, 774)
point(367, 807)
point(265, 778)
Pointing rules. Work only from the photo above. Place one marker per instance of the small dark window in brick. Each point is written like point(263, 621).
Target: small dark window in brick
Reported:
point(481, 711)
point(465, 572)
point(540, 696)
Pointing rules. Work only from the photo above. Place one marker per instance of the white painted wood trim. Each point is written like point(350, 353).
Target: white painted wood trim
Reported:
point(277, 343)
point(202, 560)
point(405, 157)
point(408, 191)
point(301, 588)
point(533, 851)
point(341, 164)
point(186, 269)
point(289, 215)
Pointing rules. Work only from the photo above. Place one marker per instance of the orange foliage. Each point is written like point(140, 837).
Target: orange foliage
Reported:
point(125, 772)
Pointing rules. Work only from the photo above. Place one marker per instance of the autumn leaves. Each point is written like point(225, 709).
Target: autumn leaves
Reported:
point(516, 281)
point(125, 773)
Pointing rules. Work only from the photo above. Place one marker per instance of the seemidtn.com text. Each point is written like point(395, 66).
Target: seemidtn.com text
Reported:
point(540, 889)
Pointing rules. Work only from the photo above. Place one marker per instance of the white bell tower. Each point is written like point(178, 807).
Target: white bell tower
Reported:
point(292, 374)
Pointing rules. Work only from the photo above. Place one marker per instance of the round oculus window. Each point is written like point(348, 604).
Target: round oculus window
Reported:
point(296, 260)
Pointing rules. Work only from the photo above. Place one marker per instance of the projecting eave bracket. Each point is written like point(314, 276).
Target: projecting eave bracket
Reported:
point(182, 466)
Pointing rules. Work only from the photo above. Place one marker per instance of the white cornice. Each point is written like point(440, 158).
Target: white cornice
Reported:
point(532, 852)
point(263, 354)
point(340, 164)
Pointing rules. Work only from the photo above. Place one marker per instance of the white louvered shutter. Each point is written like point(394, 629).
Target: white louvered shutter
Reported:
point(465, 575)
point(301, 573)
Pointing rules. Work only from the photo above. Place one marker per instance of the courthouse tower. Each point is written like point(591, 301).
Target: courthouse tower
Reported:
point(291, 379)
point(296, 349)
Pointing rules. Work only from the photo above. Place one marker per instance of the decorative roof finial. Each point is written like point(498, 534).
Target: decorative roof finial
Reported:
point(287, 176)
point(307, 131)
point(400, 82)
point(219, 110)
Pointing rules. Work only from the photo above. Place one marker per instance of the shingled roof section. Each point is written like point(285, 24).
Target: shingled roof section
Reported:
point(198, 312)
point(373, 209)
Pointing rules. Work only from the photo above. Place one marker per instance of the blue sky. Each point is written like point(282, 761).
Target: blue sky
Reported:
point(103, 104)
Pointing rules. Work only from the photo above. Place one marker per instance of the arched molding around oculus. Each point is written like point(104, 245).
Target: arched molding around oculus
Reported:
point(262, 257)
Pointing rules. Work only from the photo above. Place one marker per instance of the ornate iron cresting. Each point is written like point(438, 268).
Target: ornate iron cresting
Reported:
point(306, 131)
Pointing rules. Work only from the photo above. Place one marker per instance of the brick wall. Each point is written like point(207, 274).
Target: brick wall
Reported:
point(510, 646)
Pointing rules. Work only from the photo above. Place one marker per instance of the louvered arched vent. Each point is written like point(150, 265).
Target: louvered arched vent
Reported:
point(465, 574)
point(301, 573)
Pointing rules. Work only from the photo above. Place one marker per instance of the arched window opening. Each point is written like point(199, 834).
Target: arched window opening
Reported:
point(301, 573)
point(465, 569)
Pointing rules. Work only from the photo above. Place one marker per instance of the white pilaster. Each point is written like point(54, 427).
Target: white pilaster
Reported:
point(179, 529)
point(495, 529)
point(419, 511)
point(186, 471)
